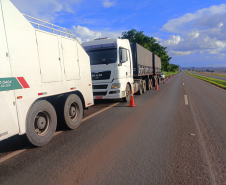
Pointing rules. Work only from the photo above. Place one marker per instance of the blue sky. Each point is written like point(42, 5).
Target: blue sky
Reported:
point(193, 31)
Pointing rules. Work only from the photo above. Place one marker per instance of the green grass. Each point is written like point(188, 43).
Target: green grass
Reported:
point(217, 82)
point(170, 73)
point(218, 75)
point(222, 75)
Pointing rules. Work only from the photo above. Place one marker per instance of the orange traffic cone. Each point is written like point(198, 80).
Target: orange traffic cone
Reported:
point(167, 79)
point(164, 82)
point(132, 103)
point(156, 87)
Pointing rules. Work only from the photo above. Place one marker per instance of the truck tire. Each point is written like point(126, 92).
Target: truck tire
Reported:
point(140, 92)
point(144, 86)
point(41, 123)
point(151, 84)
point(128, 94)
point(148, 84)
point(73, 111)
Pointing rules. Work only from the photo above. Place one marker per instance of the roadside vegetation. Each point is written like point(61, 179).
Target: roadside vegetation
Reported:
point(170, 73)
point(217, 82)
point(213, 74)
point(152, 45)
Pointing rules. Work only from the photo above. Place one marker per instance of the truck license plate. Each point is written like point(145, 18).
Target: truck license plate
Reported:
point(99, 97)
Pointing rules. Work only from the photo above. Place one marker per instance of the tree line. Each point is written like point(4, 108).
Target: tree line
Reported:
point(152, 45)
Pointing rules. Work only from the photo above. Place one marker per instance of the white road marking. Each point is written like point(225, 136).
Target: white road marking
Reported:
point(186, 99)
point(99, 112)
point(13, 154)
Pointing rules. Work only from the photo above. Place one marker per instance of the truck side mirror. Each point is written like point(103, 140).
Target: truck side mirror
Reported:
point(123, 57)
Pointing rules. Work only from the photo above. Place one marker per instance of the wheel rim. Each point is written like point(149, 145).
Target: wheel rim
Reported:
point(42, 122)
point(74, 111)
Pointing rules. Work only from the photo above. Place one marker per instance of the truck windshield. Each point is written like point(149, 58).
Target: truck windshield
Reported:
point(105, 56)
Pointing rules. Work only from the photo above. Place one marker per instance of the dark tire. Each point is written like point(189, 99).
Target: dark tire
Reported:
point(148, 84)
point(140, 92)
point(73, 111)
point(41, 123)
point(144, 86)
point(151, 84)
point(128, 94)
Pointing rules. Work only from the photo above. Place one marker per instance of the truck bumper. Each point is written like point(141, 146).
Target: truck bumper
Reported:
point(104, 91)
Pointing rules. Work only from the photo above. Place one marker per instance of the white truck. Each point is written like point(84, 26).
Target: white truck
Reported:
point(119, 68)
point(44, 76)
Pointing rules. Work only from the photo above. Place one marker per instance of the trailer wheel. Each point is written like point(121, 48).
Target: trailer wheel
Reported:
point(148, 84)
point(41, 123)
point(144, 86)
point(73, 111)
point(140, 92)
point(128, 94)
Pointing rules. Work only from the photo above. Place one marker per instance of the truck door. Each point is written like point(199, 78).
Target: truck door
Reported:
point(8, 112)
point(128, 65)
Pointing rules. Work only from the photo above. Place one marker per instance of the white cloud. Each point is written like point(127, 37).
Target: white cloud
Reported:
point(203, 31)
point(206, 18)
point(85, 34)
point(108, 3)
point(44, 9)
point(158, 39)
point(192, 42)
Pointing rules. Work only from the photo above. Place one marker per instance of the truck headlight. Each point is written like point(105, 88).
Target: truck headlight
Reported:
point(116, 86)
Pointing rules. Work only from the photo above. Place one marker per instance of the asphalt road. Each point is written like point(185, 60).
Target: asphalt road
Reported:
point(211, 76)
point(176, 135)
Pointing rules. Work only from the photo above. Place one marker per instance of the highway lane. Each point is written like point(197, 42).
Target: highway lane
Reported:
point(161, 141)
point(211, 76)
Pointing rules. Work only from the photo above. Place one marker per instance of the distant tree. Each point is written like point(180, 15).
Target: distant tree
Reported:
point(151, 44)
point(174, 67)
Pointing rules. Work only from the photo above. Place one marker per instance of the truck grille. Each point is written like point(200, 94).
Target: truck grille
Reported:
point(99, 93)
point(102, 75)
point(100, 86)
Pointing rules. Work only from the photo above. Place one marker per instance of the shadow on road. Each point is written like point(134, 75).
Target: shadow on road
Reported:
point(17, 142)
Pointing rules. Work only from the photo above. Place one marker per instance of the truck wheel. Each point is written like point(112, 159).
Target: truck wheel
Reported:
point(148, 84)
point(144, 86)
point(128, 94)
point(73, 111)
point(41, 123)
point(140, 92)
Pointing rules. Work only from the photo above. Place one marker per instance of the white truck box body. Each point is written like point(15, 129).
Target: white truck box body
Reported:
point(32, 62)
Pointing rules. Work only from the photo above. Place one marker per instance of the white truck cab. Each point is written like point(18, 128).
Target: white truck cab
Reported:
point(112, 68)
